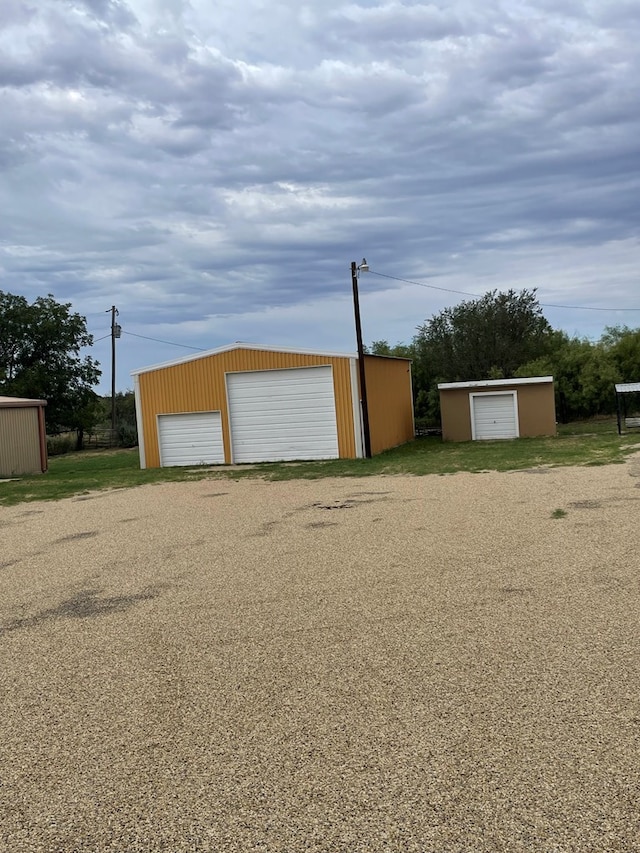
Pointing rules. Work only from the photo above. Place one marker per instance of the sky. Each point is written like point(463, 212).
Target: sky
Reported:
point(212, 169)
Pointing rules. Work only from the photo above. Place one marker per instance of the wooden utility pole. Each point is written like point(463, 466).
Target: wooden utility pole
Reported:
point(363, 379)
point(115, 333)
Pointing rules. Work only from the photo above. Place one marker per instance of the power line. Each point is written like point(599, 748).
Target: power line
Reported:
point(146, 338)
point(158, 341)
point(585, 307)
point(421, 284)
point(475, 295)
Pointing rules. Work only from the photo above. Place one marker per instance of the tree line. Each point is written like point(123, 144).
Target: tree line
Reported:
point(506, 336)
point(497, 336)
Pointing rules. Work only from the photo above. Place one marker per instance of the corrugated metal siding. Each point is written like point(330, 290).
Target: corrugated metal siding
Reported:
point(199, 385)
point(390, 402)
point(19, 442)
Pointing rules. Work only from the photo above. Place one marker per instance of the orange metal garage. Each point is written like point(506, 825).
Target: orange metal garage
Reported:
point(251, 403)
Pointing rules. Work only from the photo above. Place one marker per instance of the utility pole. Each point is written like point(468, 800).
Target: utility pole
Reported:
point(115, 333)
point(355, 269)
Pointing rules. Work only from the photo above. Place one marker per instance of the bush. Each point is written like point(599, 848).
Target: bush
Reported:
point(59, 444)
point(127, 435)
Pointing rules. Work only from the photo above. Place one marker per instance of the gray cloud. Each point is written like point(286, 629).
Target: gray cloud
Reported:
point(185, 161)
point(113, 12)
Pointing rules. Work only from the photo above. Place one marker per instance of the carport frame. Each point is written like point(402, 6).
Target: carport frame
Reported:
point(622, 390)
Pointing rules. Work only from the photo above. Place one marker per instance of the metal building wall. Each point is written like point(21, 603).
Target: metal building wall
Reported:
point(390, 401)
point(198, 385)
point(19, 441)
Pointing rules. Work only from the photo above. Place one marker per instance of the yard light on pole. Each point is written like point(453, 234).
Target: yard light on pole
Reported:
point(356, 269)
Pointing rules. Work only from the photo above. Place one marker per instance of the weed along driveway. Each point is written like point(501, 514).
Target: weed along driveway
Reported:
point(438, 664)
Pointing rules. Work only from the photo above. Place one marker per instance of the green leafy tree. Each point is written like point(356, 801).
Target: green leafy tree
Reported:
point(486, 338)
point(126, 424)
point(624, 345)
point(87, 413)
point(126, 407)
point(40, 357)
point(398, 350)
point(584, 376)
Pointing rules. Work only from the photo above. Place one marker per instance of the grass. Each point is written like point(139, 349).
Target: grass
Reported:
point(594, 443)
point(81, 473)
point(559, 513)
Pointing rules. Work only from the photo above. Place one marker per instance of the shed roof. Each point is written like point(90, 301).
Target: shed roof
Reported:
point(494, 383)
point(19, 402)
point(627, 387)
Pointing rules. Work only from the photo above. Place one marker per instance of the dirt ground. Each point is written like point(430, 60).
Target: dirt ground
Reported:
point(429, 664)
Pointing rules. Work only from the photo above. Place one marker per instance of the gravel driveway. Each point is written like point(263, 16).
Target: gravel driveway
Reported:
point(429, 664)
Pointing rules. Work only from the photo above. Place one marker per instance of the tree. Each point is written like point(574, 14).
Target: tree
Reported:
point(584, 376)
point(127, 431)
point(40, 357)
point(398, 350)
point(624, 345)
point(486, 338)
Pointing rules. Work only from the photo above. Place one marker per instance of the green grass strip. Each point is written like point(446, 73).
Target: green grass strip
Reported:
point(590, 443)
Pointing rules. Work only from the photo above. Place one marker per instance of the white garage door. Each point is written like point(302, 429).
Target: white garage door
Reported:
point(191, 438)
point(494, 415)
point(282, 415)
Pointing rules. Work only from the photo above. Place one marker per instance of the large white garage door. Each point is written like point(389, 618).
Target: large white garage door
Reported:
point(282, 414)
point(190, 438)
point(494, 415)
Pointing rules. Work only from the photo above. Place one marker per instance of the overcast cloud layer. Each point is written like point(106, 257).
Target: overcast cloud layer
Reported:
point(213, 169)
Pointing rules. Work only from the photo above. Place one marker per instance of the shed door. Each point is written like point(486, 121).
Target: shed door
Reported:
point(494, 415)
point(190, 438)
point(282, 414)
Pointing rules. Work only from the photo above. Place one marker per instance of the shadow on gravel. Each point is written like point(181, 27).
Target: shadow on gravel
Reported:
point(83, 605)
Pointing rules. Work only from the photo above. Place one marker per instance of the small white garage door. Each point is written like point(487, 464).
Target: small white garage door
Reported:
point(279, 415)
point(190, 438)
point(494, 415)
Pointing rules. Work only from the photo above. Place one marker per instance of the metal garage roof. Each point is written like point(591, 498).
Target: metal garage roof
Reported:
point(240, 345)
point(627, 387)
